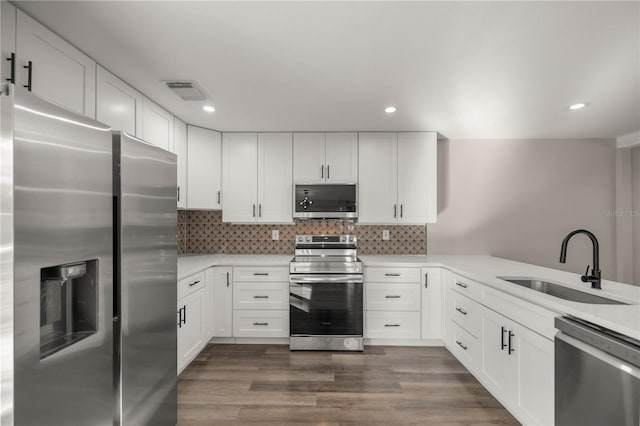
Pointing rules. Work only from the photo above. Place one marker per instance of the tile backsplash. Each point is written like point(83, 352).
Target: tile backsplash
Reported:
point(202, 231)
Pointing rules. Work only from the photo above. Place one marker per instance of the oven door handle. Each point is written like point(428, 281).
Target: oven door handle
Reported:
point(326, 278)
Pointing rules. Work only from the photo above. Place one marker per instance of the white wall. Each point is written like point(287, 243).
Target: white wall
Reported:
point(518, 199)
point(635, 179)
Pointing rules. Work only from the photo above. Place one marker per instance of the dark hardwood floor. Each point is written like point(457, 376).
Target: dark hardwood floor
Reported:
point(269, 385)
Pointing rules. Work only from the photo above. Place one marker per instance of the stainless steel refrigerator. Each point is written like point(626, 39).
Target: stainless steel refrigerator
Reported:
point(87, 269)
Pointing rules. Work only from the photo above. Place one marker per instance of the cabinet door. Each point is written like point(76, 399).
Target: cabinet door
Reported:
point(417, 177)
point(341, 155)
point(275, 189)
point(60, 72)
point(157, 125)
point(118, 104)
point(308, 157)
point(499, 368)
point(222, 312)
point(204, 150)
point(378, 178)
point(190, 332)
point(240, 177)
point(180, 141)
point(7, 39)
point(432, 302)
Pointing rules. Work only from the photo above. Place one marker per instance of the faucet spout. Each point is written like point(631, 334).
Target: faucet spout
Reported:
point(595, 277)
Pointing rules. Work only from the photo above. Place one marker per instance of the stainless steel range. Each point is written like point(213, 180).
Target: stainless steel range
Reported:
point(326, 294)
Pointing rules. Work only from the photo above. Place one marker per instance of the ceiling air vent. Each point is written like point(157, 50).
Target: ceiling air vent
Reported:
point(187, 90)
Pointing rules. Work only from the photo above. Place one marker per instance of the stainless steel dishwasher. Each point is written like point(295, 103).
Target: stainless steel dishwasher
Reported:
point(597, 376)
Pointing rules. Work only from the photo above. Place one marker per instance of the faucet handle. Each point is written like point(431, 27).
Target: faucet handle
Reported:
point(585, 277)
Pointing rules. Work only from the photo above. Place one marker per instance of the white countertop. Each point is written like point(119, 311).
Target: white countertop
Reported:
point(623, 319)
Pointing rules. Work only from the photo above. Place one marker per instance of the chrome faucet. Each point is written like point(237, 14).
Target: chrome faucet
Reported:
point(594, 278)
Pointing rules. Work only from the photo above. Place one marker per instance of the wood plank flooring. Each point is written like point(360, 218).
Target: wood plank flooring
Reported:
point(269, 385)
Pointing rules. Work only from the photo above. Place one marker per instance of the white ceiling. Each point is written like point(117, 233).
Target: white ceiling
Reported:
point(465, 69)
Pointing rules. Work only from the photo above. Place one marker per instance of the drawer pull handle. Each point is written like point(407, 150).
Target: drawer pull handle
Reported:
point(510, 349)
point(463, 285)
point(260, 274)
point(392, 297)
point(462, 311)
point(502, 343)
point(260, 297)
point(194, 283)
point(459, 343)
point(260, 323)
point(391, 275)
point(392, 325)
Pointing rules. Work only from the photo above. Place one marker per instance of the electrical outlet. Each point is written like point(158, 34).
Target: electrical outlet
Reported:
point(385, 234)
point(275, 234)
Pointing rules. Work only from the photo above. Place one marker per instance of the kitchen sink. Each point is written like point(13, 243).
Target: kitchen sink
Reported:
point(560, 291)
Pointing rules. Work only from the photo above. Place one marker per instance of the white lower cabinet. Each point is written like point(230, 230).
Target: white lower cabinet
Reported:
point(191, 321)
point(514, 362)
point(222, 300)
point(392, 325)
point(260, 323)
point(431, 307)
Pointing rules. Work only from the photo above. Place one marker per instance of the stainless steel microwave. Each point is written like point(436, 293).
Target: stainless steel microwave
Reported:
point(325, 201)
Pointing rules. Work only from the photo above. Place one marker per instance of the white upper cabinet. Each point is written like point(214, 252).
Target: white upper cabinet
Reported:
point(397, 178)
point(204, 149)
point(118, 104)
point(180, 141)
point(58, 72)
point(325, 157)
point(275, 188)
point(8, 40)
point(239, 177)
point(257, 177)
point(157, 125)
point(378, 178)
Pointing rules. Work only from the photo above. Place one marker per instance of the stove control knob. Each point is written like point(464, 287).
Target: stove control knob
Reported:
point(308, 239)
point(343, 239)
point(300, 239)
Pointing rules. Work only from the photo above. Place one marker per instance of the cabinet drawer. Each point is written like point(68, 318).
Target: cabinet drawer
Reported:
point(465, 347)
point(267, 273)
point(392, 325)
point(467, 287)
point(392, 275)
point(255, 323)
point(466, 313)
point(392, 297)
point(261, 295)
point(190, 284)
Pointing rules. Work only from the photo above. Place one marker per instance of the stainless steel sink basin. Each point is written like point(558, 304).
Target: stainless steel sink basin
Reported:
point(561, 291)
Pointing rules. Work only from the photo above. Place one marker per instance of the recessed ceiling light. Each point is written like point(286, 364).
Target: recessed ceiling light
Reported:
point(208, 108)
point(577, 106)
point(389, 110)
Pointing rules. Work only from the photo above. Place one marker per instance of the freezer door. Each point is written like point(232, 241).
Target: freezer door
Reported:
point(146, 187)
point(63, 266)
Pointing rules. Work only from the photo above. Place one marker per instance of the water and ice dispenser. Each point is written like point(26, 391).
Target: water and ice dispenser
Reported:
point(68, 305)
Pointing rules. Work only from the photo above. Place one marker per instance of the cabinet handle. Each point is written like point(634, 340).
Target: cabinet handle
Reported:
point(426, 280)
point(395, 210)
point(462, 311)
point(328, 172)
point(218, 197)
point(227, 279)
point(179, 318)
point(184, 314)
point(260, 210)
point(462, 345)
point(254, 210)
point(260, 274)
point(401, 206)
point(260, 297)
point(502, 344)
point(12, 58)
point(459, 284)
point(260, 323)
point(510, 350)
point(194, 283)
point(322, 171)
point(178, 193)
point(391, 275)
point(392, 297)
point(392, 325)
point(29, 75)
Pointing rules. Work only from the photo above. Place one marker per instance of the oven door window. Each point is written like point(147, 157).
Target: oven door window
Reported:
point(325, 309)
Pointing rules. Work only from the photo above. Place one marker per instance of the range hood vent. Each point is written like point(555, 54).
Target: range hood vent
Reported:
point(187, 90)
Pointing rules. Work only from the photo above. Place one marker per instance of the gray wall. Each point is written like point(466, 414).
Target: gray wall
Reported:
point(517, 199)
point(635, 179)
